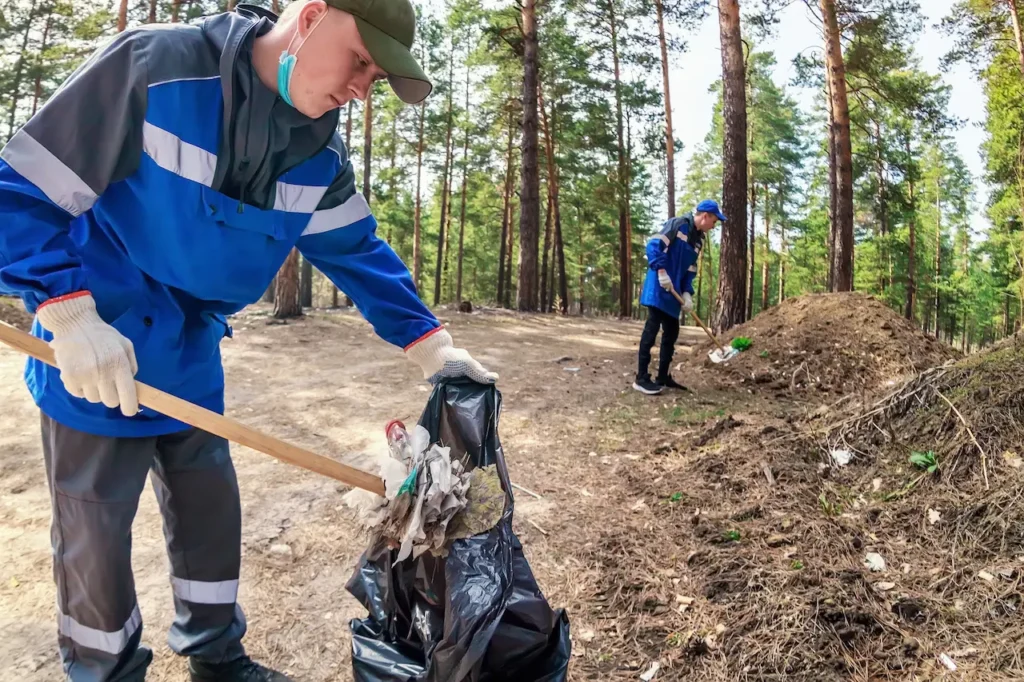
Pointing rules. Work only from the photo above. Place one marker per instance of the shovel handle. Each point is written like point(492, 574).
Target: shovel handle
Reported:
point(702, 326)
point(217, 424)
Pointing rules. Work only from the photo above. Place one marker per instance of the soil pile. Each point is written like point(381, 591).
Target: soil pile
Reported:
point(13, 313)
point(751, 553)
point(823, 345)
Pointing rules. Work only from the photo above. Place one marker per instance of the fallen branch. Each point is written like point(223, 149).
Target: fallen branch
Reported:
point(536, 526)
point(984, 457)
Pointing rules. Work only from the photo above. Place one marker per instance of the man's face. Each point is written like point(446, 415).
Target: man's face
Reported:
point(333, 66)
point(705, 221)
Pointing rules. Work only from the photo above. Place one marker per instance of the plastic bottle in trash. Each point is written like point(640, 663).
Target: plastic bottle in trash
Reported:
point(398, 441)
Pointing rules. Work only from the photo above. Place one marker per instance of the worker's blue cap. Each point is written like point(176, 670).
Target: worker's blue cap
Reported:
point(710, 206)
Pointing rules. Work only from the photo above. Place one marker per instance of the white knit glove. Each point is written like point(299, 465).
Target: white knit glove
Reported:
point(687, 302)
point(439, 359)
point(664, 280)
point(96, 361)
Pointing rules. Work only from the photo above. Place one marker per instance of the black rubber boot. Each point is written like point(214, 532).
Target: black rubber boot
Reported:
point(242, 669)
point(667, 381)
point(646, 386)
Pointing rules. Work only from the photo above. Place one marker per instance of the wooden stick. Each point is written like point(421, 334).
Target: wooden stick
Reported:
point(217, 424)
point(527, 491)
point(984, 457)
point(702, 325)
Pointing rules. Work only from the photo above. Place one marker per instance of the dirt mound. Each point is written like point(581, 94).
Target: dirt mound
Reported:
point(749, 558)
point(823, 345)
point(13, 313)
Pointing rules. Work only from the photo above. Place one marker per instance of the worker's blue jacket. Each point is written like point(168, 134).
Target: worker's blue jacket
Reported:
point(675, 249)
point(167, 180)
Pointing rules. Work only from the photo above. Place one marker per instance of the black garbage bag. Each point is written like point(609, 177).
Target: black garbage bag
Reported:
point(476, 615)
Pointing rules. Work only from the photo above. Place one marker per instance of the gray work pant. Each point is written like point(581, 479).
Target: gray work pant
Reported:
point(95, 483)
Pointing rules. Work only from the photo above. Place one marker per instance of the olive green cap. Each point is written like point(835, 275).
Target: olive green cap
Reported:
point(388, 28)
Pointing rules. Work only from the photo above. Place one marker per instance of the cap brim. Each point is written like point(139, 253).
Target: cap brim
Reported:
point(404, 73)
point(720, 216)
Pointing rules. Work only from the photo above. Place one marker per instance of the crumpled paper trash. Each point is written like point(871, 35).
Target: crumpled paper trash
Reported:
point(426, 494)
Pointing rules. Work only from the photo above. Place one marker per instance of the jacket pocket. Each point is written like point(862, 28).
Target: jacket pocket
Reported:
point(231, 213)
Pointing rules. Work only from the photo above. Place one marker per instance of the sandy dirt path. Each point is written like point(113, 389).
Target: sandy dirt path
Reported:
point(329, 384)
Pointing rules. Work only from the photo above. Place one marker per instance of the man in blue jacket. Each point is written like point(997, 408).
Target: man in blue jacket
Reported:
point(672, 257)
point(158, 191)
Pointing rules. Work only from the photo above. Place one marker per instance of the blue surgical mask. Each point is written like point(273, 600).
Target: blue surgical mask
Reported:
point(286, 64)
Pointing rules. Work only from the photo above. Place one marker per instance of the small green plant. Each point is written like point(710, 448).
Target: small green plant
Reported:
point(732, 535)
point(604, 658)
point(797, 565)
point(830, 508)
point(675, 497)
point(675, 639)
point(742, 343)
point(764, 354)
point(925, 461)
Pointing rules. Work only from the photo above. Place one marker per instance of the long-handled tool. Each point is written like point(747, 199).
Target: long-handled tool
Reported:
point(720, 354)
point(217, 424)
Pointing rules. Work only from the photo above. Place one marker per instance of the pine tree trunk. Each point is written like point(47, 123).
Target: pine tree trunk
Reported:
point(348, 148)
point(367, 144)
point(268, 295)
point(581, 283)
point(547, 285)
point(700, 282)
point(444, 188)
point(669, 138)
point(911, 255)
point(938, 259)
point(506, 199)
point(833, 195)
point(1017, 35)
point(844, 151)
point(417, 230)
point(782, 262)
point(37, 92)
point(732, 266)
point(563, 285)
point(462, 211)
point(152, 12)
point(122, 16)
point(529, 196)
point(306, 284)
point(625, 239)
point(275, 7)
point(175, 9)
point(883, 217)
point(19, 70)
point(765, 270)
point(286, 294)
point(511, 249)
point(446, 281)
point(753, 242)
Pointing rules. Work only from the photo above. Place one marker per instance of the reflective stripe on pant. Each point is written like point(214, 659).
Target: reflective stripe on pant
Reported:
point(658, 319)
point(95, 483)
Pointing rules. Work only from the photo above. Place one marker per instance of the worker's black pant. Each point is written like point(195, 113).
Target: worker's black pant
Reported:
point(658, 319)
point(95, 484)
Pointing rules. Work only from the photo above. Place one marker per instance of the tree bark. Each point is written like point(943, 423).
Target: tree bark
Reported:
point(19, 69)
point(268, 295)
point(444, 188)
point(152, 12)
point(782, 261)
point(417, 230)
point(732, 267)
point(579, 262)
point(286, 295)
point(625, 239)
point(563, 285)
point(275, 7)
point(911, 255)
point(122, 16)
point(833, 194)
point(506, 198)
point(37, 92)
point(306, 284)
point(843, 266)
point(1018, 37)
point(175, 9)
point(765, 269)
point(938, 259)
point(367, 144)
point(669, 138)
point(529, 195)
point(547, 286)
point(462, 211)
point(753, 242)
point(883, 218)
point(700, 281)
point(511, 249)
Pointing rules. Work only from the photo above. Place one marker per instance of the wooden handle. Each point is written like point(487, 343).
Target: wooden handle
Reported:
point(217, 424)
point(702, 326)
